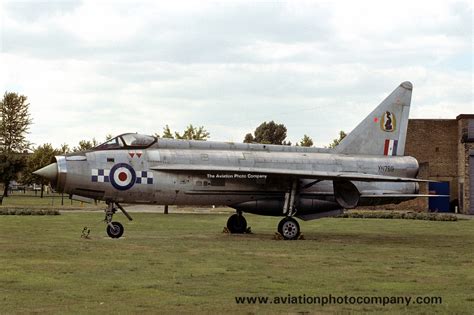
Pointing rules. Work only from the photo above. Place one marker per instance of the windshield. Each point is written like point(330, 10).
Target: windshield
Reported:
point(128, 140)
point(114, 143)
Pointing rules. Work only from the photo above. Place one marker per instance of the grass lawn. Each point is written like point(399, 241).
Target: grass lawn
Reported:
point(183, 263)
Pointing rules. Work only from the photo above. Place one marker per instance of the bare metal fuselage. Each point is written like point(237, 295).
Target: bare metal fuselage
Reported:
point(252, 192)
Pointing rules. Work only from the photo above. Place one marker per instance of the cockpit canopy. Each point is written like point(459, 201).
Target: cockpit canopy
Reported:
point(127, 141)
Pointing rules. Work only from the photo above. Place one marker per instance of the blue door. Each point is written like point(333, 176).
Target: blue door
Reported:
point(439, 204)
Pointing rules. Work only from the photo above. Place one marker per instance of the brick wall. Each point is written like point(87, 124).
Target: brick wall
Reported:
point(437, 145)
point(434, 143)
point(464, 147)
point(464, 159)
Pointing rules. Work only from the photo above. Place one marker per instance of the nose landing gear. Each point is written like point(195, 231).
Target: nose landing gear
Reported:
point(114, 229)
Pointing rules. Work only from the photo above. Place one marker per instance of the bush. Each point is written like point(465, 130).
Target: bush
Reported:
point(21, 211)
point(398, 215)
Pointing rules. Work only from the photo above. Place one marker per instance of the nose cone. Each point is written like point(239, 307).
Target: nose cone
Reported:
point(49, 172)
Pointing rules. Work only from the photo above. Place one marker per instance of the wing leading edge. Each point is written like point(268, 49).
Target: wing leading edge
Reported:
point(323, 175)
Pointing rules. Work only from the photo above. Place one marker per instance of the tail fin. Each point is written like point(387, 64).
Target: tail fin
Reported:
point(384, 131)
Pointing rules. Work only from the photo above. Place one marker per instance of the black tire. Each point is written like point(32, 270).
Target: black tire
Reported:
point(237, 224)
point(289, 229)
point(115, 232)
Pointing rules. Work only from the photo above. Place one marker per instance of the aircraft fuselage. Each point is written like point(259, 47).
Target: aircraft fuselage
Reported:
point(108, 175)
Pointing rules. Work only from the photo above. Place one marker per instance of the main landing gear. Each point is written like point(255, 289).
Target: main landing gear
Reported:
point(114, 229)
point(288, 226)
point(236, 224)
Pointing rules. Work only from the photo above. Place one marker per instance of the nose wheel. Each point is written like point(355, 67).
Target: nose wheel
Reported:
point(114, 229)
point(289, 228)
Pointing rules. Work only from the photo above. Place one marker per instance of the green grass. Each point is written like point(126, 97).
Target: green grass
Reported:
point(183, 263)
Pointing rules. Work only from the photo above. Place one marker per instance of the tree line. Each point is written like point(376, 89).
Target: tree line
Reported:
point(19, 158)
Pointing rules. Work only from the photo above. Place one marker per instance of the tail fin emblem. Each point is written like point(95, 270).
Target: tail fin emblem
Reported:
point(388, 122)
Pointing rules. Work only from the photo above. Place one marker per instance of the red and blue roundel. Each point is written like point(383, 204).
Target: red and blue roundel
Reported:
point(122, 176)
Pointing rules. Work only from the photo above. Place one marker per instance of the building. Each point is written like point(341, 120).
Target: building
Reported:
point(444, 149)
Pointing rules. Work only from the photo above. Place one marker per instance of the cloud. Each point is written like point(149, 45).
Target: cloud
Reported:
point(92, 68)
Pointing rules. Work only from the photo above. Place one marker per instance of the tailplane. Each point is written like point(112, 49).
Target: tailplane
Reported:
point(384, 131)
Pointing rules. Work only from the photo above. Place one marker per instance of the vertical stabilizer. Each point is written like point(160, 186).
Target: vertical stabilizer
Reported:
point(384, 131)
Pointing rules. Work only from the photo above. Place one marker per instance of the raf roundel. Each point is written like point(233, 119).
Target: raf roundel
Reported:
point(122, 176)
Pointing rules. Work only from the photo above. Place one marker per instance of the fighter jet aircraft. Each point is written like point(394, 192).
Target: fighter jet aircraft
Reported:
point(367, 168)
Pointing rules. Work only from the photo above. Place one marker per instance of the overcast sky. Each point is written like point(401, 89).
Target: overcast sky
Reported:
point(90, 68)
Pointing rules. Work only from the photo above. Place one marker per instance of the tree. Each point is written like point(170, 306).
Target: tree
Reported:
point(85, 145)
point(306, 141)
point(14, 123)
point(167, 132)
point(64, 149)
point(268, 133)
point(335, 142)
point(248, 138)
point(193, 133)
point(41, 157)
point(190, 133)
point(10, 166)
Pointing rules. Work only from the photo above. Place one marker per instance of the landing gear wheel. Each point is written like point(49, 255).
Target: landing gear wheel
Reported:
point(289, 228)
point(237, 224)
point(116, 231)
